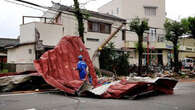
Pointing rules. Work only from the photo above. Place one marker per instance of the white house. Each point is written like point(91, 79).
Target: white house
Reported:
point(38, 37)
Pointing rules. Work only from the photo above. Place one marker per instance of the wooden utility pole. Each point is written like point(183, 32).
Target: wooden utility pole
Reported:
point(106, 41)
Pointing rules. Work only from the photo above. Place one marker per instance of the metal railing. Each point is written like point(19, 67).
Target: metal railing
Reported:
point(38, 17)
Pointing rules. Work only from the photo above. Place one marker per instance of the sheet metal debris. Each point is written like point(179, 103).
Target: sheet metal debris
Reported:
point(56, 67)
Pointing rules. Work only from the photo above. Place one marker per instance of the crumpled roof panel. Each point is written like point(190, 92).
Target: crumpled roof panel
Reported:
point(56, 66)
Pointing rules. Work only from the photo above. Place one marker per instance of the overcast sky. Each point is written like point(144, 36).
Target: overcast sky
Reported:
point(11, 14)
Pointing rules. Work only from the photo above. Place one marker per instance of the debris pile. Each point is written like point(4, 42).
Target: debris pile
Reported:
point(22, 81)
point(56, 67)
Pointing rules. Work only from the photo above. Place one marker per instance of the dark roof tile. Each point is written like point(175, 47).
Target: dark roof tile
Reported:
point(7, 42)
point(92, 13)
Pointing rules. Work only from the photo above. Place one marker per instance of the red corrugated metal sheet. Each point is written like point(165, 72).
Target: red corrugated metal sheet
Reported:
point(56, 66)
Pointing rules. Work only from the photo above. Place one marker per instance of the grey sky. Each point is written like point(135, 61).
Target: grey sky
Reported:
point(11, 14)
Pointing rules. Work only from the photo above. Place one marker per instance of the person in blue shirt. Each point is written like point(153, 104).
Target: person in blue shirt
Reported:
point(81, 67)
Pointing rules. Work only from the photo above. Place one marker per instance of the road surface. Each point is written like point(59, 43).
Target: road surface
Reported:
point(183, 99)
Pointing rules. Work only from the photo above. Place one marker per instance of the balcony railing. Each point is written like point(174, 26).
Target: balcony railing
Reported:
point(45, 19)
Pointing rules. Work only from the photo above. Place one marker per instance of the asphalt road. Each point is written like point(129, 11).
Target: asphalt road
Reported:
point(183, 99)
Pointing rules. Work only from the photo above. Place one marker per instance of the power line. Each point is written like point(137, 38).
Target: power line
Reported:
point(23, 5)
point(85, 3)
point(44, 7)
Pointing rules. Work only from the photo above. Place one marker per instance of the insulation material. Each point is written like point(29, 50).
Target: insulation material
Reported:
point(56, 66)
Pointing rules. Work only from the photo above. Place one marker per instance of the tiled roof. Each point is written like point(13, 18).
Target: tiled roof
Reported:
point(92, 13)
point(8, 42)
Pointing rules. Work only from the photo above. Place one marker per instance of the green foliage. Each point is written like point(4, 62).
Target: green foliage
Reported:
point(185, 24)
point(122, 64)
point(107, 57)
point(4, 71)
point(192, 25)
point(189, 25)
point(86, 14)
point(136, 46)
point(139, 26)
point(114, 61)
point(174, 30)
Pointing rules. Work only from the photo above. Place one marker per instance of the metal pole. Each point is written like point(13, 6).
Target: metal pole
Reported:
point(22, 19)
point(148, 57)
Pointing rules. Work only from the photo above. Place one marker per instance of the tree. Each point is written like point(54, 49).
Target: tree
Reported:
point(121, 64)
point(189, 25)
point(173, 31)
point(114, 61)
point(80, 18)
point(139, 27)
point(106, 57)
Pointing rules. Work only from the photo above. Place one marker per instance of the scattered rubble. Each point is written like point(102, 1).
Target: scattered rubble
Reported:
point(21, 82)
point(56, 67)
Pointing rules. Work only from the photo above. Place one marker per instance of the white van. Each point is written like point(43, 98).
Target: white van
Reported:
point(188, 63)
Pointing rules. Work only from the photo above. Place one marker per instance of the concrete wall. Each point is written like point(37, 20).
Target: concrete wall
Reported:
point(27, 33)
point(21, 54)
point(130, 9)
point(187, 44)
point(111, 8)
point(70, 25)
point(50, 34)
point(25, 67)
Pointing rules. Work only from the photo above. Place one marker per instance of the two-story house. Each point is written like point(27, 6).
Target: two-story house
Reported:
point(58, 21)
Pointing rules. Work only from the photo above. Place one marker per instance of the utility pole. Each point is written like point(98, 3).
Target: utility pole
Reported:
point(79, 17)
point(148, 50)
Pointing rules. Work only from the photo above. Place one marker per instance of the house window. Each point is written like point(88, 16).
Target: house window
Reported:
point(190, 49)
point(150, 11)
point(123, 35)
point(99, 27)
point(92, 39)
point(117, 11)
point(107, 28)
point(95, 27)
point(30, 51)
point(152, 34)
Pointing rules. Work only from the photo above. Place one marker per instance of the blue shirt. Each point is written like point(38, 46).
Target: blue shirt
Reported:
point(81, 66)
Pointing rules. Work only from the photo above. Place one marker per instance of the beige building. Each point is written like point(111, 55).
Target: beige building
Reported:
point(154, 11)
point(187, 48)
point(38, 37)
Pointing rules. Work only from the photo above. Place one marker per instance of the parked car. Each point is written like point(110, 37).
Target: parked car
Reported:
point(188, 63)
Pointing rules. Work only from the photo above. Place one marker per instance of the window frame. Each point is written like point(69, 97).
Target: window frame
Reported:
point(150, 9)
point(104, 28)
